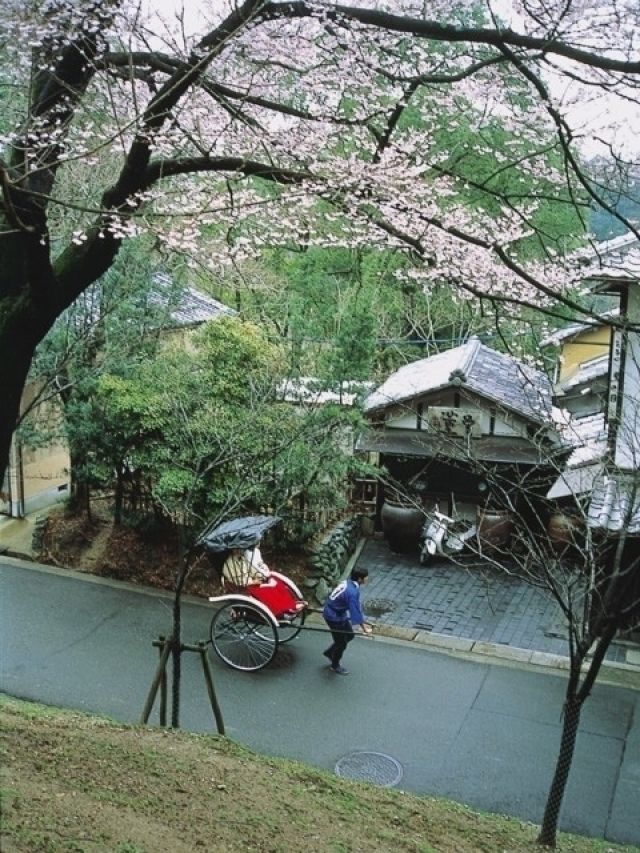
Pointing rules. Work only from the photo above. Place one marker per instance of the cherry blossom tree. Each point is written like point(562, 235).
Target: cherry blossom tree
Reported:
point(276, 117)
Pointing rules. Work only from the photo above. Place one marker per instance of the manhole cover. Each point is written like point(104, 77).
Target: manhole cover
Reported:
point(370, 767)
point(378, 606)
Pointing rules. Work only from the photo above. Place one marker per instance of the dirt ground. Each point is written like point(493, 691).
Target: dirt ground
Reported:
point(147, 557)
point(71, 782)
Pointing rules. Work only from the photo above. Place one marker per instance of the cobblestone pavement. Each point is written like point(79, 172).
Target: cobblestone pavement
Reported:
point(473, 601)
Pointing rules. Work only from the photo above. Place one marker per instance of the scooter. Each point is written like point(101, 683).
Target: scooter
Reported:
point(439, 540)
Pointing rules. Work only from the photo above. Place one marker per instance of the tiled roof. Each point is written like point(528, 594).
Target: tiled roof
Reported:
point(588, 436)
point(615, 502)
point(307, 389)
point(587, 372)
point(188, 306)
point(475, 367)
point(560, 335)
point(613, 493)
point(613, 259)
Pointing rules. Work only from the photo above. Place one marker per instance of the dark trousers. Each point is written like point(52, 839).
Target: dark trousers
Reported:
point(342, 634)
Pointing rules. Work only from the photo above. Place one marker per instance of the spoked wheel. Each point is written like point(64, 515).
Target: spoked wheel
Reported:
point(288, 629)
point(243, 636)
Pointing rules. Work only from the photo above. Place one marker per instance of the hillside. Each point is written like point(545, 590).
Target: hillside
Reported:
point(72, 782)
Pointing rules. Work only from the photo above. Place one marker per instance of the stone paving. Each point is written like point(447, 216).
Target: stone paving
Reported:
point(473, 601)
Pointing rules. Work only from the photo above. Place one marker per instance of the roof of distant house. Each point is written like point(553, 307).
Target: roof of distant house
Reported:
point(196, 307)
point(474, 367)
point(186, 306)
point(608, 261)
point(312, 391)
point(596, 368)
point(614, 499)
point(613, 259)
point(575, 329)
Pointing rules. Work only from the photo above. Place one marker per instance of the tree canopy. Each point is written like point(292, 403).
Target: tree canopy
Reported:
point(274, 118)
point(202, 429)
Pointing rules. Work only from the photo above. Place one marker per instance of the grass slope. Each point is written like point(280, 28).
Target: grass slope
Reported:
point(72, 782)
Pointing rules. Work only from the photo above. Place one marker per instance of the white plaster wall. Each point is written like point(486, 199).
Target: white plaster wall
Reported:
point(505, 425)
point(627, 452)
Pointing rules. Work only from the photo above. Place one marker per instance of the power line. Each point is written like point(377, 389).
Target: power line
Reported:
point(388, 341)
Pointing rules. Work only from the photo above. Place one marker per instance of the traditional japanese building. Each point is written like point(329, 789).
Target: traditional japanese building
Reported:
point(459, 431)
point(604, 467)
point(599, 490)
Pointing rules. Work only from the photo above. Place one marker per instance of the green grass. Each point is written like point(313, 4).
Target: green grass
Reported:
point(72, 782)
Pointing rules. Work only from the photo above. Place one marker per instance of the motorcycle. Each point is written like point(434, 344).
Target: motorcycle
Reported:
point(441, 539)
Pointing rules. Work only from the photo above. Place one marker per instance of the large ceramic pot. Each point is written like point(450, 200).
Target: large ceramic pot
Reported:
point(495, 527)
point(401, 524)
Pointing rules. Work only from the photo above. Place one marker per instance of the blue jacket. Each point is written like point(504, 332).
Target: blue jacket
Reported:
point(344, 604)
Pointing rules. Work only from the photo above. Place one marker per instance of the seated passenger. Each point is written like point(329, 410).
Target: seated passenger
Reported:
point(241, 572)
point(258, 565)
point(247, 569)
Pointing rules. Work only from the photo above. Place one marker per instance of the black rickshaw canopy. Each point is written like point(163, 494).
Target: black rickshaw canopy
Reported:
point(243, 532)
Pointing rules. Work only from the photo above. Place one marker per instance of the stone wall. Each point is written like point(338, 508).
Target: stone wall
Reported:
point(39, 531)
point(329, 556)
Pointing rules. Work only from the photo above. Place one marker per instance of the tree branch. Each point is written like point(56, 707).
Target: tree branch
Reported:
point(430, 29)
point(165, 168)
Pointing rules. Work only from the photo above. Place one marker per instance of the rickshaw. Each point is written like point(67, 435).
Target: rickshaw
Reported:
point(251, 620)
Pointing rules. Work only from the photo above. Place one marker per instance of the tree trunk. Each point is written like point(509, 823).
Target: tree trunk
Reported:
point(80, 492)
point(176, 653)
point(32, 296)
point(21, 329)
point(118, 499)
point(176, 640)
point(27, 294)
point(14, 366)
point(570, 724)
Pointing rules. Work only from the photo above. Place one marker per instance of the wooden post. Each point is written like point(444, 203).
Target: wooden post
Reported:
point(160, 682)
point(163, 686)
point(160, 674)
point(210, 688)
point(201, 648)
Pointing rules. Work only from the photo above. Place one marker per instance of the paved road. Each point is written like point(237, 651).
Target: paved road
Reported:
point(478, 733)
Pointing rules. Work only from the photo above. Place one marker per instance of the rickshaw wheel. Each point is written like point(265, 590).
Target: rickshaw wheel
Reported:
point(243, 636)
point(288, 629)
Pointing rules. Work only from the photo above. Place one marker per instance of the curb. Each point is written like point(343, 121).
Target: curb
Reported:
point(619, 674)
